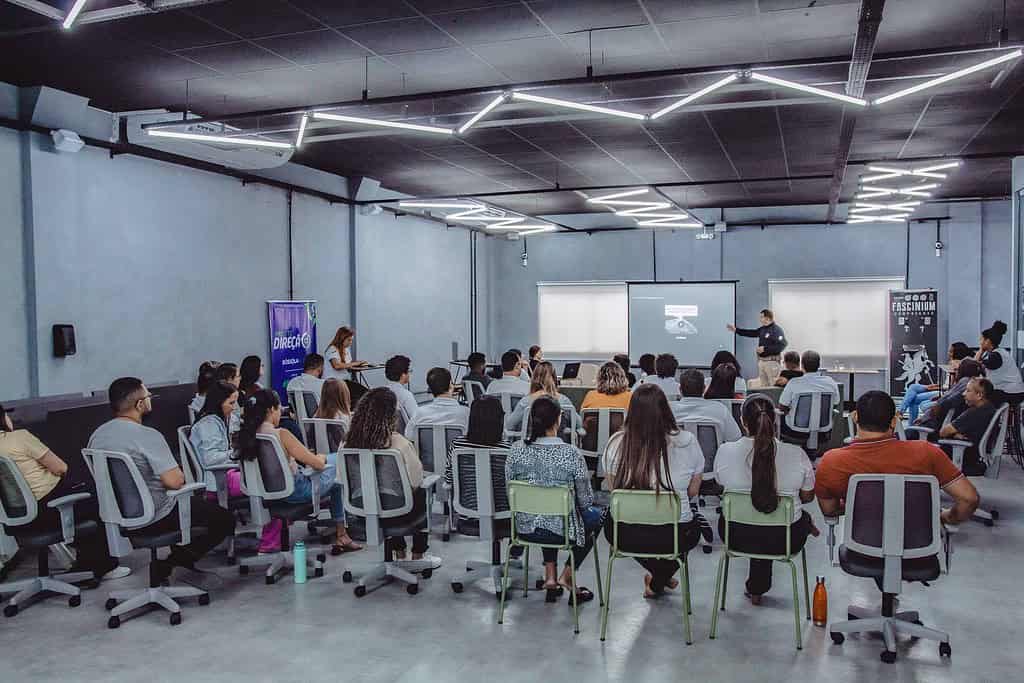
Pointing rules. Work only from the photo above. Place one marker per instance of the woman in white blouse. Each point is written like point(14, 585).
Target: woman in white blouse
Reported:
point(338, 355)
point(651, 453)
point(767, 469)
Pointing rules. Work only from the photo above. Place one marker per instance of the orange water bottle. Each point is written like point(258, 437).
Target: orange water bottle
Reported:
point(819, 604)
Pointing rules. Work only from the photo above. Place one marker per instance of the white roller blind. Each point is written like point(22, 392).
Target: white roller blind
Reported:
point(585, 320)
point(843, 320)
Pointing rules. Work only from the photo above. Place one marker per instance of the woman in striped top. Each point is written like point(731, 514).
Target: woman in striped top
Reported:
point(486, 423)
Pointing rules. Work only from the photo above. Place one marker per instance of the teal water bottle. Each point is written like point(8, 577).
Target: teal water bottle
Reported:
point(299, 560)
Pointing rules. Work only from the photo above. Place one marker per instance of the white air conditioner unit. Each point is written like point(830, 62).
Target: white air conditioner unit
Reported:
point(241, 157)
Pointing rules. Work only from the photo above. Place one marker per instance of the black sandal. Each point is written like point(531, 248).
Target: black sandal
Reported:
point(552, 594)
point(583, 594)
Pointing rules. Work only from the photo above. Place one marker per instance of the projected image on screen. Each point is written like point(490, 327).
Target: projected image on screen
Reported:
point(685, 319)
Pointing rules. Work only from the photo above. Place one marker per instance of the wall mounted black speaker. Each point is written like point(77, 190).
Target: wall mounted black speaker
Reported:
point(63, 340)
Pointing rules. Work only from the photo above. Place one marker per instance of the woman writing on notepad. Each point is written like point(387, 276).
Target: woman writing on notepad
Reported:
point(338, 360)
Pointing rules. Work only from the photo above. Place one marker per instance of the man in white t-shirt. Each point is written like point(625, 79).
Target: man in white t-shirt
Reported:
point(812, 381)
point(443, 410)
point(311, 378)
point(509, 383)
point(666, 366)
point(693, 405)
point(397, 370)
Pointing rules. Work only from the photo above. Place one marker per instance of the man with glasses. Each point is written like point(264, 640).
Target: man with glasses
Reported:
point(130, 402)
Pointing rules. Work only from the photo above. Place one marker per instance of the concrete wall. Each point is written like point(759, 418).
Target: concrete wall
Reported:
point(972, 274)
point(13, 299)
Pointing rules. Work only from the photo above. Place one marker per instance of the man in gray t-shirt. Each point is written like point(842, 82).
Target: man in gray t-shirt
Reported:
point(130, 401)
point(148, 448)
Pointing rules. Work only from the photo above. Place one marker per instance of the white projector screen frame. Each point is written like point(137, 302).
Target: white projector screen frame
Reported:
point(835, 317)
point(684, 361)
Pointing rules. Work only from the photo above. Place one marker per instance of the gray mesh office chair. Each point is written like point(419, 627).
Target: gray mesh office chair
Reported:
point(509, 402)
point(268, 481)
point(709, 433)
point(403, 419)
point(432, 443)
point(481, 503)
point(570, 429)
point(990, 450)
point(304, 405)
point(19, 511)
point(598, 425)
point(126, 502)
point(735, 406)
point(892, 535)
point(810, 414)
point(377, 488)
point(324, 435)
point(472, 390)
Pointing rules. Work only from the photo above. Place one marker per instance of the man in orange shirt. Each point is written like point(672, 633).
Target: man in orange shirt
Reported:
point(875, 450)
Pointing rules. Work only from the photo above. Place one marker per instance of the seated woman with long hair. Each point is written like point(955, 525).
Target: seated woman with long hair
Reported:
point(486, 423)
point(543, 459)
point(766, 468)
point(542, 383)
point(262, 415)
point(652, 454)
point(724, 357)
point(211, 439)
point(723, 382)
point(335, 404)
point(373, 427)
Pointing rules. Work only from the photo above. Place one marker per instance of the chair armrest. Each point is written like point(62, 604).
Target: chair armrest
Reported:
point(919, 430)
point(223, 467)
point(430, 480)
point(66, 506)
point(183, 497)
point(956, 442)
point(847, 441)
point(958, 446)
point(220, 473)
point(314, 481)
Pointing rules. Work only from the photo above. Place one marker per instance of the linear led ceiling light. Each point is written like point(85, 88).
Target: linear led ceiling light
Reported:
point(545, 228)
point(808, 89)
point(482, 113)
point(694, 96)
point(519, 226)
point(894, 218)
point(302, 130)
point(653, 206)
point(539, 99)
point(434, 205)
point(220, 139)
point(931, 83)
point(671, 224)
point(618, 195)
point(889, 173)
point(903, 206)
point(73, 13)
point(385, 124)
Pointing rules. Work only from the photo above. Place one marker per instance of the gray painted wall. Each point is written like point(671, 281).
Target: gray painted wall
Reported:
point(972, 274)
point(13, 332)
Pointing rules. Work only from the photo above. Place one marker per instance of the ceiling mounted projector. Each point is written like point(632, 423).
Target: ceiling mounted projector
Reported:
point(66, 141)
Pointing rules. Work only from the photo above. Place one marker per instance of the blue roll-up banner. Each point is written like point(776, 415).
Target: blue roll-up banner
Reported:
point(292, 337)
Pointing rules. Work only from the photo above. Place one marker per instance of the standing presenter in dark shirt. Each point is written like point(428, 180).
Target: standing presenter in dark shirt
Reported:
point(771, 342)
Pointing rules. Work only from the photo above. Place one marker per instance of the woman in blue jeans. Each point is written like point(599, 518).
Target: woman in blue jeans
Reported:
point(545, 460)
point(919, 397)
point(263, 416)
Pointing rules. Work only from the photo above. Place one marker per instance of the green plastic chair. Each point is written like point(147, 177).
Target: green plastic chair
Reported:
point(555, 501)
point(738, 507)
point(646, 507)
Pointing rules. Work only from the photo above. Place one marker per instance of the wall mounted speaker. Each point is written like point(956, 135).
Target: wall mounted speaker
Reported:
point(63, 341)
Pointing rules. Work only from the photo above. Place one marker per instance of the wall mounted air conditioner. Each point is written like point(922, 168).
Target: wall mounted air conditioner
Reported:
point(240, 157)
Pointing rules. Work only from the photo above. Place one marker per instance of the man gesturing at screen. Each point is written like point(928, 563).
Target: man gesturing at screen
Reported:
point(771, 342)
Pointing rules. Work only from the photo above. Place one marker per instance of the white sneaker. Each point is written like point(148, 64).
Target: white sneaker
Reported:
point(117, 573)
point(430, 562)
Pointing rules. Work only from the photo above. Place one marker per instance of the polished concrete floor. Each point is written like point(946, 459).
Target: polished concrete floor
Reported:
point(321, 631)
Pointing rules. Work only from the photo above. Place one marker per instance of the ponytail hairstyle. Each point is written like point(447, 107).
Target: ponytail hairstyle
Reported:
point(544, 414)
point(723, 382)
point(643, 452)
point(374, 420)
point(257, 407)
point(995, 333)
point(250, 371)
point(758, 415)
point(205, 377)
point(543, 379)
point(216, 394)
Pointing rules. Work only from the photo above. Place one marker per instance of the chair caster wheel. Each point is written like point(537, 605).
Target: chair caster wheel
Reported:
point(110, 604)
point(989, 522)
point(346, 576)
point(412, 589)
point(457, 587)
point(271, 580)
point(204, 599)
point(945, 650)
point(10, 610)
point(321, 558)
point(888, 656)
point(427, 573)
point(318, 572)
point(360, 591)
point(74, 601)
point(706, 549)
point(175, 618)
point(446, 537)
point(243, 570)
point(995, 514)
point(114, 622)
point(838, 638)
point(497, 595)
